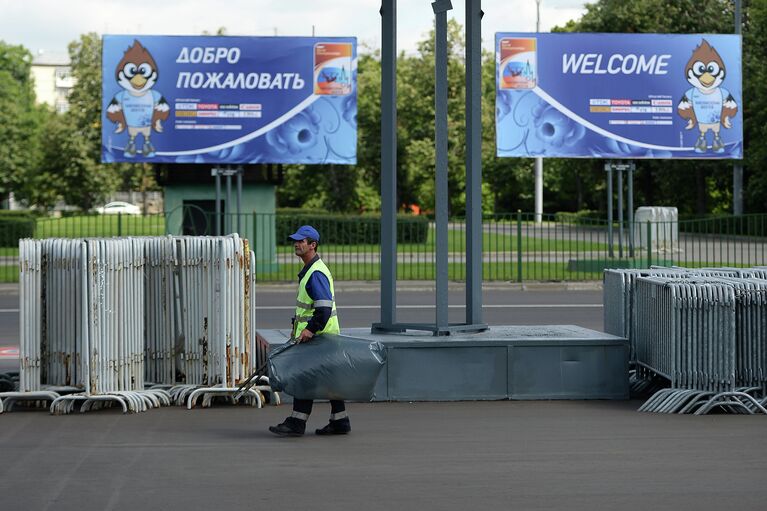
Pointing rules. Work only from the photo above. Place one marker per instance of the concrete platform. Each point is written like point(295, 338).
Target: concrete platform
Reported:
point(504, 362)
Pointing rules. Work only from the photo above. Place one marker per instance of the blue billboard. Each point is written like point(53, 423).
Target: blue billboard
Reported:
point(184, 99)
point(619, 95)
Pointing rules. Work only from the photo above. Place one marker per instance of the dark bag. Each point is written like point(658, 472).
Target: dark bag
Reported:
point(327, 367)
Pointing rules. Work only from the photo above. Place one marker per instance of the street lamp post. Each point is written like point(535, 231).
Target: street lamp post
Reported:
point(539, 160)
point(737, 168)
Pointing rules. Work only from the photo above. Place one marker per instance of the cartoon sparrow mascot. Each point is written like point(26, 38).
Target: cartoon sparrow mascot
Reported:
point(707, 104)
point(138, 107)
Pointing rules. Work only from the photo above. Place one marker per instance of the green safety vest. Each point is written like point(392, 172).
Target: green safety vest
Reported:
point(305, 305)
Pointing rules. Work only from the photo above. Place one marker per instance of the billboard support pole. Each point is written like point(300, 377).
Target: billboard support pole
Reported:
point(228, 205)
point(609, 169)
point(240, 171)
point(631, 207)
point(620, 213)
point(215, 172)
point(737, 168)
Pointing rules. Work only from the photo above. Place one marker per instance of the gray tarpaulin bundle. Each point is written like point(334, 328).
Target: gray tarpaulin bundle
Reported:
point(703, 331)
point(327, 367)
point(99, 317)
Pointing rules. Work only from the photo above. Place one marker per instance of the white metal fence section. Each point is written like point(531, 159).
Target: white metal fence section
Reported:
point(99, 317)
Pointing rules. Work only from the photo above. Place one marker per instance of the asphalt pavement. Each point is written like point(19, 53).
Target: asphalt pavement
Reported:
point(399, 456)
point(521, 455)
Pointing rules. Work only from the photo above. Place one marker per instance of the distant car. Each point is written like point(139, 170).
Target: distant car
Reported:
point(113, 208)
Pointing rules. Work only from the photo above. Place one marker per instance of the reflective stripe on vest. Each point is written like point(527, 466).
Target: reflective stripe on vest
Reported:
point(305, 305)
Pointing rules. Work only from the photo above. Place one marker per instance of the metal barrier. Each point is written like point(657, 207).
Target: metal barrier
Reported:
point(101, 316)
point(706, 335)
point(216, 316)
point(618, 293)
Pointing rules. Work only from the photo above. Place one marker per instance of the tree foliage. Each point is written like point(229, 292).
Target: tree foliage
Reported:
point(19, 119)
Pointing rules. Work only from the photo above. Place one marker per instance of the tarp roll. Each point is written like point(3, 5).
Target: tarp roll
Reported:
point(327, 367)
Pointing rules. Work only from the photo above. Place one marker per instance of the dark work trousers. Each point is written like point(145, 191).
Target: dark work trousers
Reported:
point(305, 406)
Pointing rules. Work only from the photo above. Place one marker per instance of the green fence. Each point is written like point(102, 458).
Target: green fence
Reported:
point(515, 247)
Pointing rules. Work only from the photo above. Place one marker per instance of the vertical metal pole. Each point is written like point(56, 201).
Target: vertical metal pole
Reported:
point(240, 170)
point(216, 173)
point(228, 209)
point(649, 244)
point(631, 208)
point(620, 213)
point(388, 162)
point(737, 168)
point(519, 246)
point(609, 169)
point(474, 162)
point(538, 161)
point(440, 8)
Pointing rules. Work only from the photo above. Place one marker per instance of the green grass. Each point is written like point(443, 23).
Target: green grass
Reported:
point(100, 226)
point(9, 273)
point(456, 242)
point(425, 271)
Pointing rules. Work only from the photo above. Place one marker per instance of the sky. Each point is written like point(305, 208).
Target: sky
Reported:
point(49, 25)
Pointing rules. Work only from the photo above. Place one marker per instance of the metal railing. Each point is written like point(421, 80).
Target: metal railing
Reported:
point(515, 247)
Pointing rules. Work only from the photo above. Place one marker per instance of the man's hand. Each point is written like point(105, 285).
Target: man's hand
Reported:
point(306, 335)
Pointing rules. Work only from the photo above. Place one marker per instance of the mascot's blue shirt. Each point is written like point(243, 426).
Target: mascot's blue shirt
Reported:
point(138, 110)
point(707, 107)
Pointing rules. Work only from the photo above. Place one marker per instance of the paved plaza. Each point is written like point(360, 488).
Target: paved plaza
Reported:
point(517, 455)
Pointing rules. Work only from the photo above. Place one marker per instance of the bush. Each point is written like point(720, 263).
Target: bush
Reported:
point(351, 230)
point(582, 217)
point(15, 225)
point(745, 225)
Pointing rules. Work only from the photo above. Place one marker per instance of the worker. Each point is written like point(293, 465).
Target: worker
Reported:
point(315, 314)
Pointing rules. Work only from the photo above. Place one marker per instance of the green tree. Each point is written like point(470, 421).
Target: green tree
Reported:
point(19, 119)
point(755, 105)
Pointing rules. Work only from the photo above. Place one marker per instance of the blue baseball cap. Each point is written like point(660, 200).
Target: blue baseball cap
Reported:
point(305, 231)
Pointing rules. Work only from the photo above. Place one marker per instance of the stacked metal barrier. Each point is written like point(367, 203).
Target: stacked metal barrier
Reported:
point(161, 292)
point(702, 330)
point(101, 316)
point(216, 317)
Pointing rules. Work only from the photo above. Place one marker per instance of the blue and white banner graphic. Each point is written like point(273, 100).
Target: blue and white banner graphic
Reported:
point(619, 95)
point(189, 99)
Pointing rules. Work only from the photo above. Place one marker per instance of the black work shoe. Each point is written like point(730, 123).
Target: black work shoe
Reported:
point(338, 427)
point(291, 427)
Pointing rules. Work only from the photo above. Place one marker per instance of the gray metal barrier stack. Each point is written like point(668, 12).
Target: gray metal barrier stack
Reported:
point(618, 294)
point(705, 333)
